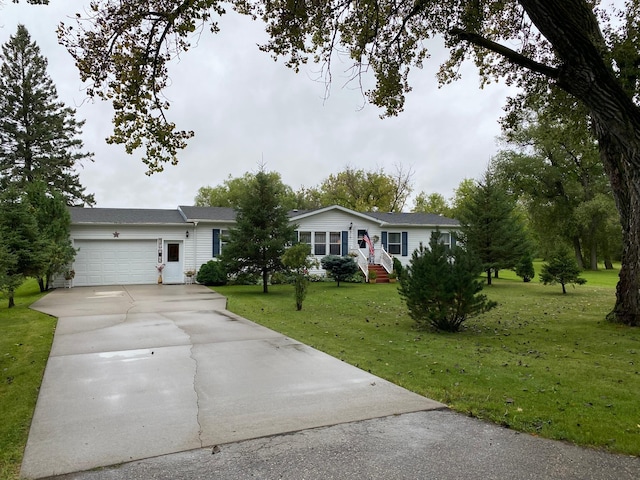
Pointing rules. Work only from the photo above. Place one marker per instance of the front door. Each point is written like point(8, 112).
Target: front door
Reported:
point(172, 272)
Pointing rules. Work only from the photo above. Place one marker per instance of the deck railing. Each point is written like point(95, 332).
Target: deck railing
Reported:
point(362, 262)
point(386, 260)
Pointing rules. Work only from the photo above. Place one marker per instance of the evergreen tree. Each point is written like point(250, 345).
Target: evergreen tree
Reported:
point(561, 268)
point(262, 230)
point(39, 136)
point(340, 268)
point(54, 222)
point(441, 287)
point(20, 241)
point(491, 227)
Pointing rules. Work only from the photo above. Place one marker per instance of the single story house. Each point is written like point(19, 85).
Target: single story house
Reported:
point(117, 246)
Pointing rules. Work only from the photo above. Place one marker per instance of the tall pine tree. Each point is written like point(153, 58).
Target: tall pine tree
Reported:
point(491, 227)
point(39, 136)
point(262, 230)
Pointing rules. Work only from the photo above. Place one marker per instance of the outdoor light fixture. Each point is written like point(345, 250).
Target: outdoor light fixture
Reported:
point(187, 233)
point(350, 225)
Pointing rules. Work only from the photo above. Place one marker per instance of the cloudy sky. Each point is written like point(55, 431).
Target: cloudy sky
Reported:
point(245, 108)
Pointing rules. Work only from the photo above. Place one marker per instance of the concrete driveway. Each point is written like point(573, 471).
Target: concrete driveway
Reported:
point(142, 371)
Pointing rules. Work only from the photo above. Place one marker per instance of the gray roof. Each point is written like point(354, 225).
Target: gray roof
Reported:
point(136, 216)
point(186, 214)
point(413, 219)
point(219, 214)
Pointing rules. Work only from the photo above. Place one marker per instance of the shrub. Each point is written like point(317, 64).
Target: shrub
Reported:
point(339, 268)
point(212, 273)
point(441, 287)
point(245, 278)
point(397, 267)
point(281, 278)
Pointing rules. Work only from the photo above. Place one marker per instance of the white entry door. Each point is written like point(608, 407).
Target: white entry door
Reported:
point(173, 272)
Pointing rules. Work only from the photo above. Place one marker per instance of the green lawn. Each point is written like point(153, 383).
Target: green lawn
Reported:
point(25, 341)
point(541, 362)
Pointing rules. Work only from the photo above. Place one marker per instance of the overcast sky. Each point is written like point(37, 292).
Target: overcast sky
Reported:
point(245, 108)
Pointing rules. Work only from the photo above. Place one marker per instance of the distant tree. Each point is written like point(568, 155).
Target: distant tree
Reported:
point(232, 190)
point(262, 231)
point(20, 241)
point(491, 227)
point(366, 190)
point(553, 166)
point(441, 287)
point(461, 195)
point(39, 136)
point(561, 268)
point(339, 268)
point(524, 267)
point(298, 260)
point(432, 203)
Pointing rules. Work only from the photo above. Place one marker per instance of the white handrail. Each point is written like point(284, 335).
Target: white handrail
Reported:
point(362, 262)
point(386, 261)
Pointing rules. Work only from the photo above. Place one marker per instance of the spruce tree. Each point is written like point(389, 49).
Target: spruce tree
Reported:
point(262, 232)
point(39, 136)
point(491, 227)
point(20, 242)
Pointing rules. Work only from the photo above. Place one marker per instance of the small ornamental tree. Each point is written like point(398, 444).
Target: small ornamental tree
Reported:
point(561, 268)
point(340, 268)
point(297, 259)
point(441, 287)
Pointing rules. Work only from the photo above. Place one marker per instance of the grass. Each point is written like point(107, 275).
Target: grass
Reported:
point(24, 349)
point(542, 362)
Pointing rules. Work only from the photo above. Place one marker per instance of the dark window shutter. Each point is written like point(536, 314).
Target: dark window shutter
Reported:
point(453, 239)
point(384, 240)
point(345, 243)
point(405, 244)
point(216, 242)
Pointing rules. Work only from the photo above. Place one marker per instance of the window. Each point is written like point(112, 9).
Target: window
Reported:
point(173, 252)
point(361, 242)
point(335, 242)
point(304, 237)
point(445, 239)
point(224, 238)
point(394, 243)
point(320, 243)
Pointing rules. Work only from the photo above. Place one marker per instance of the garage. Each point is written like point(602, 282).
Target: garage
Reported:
point(115, 262)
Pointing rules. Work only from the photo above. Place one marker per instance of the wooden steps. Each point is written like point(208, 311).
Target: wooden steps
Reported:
point(382, 275)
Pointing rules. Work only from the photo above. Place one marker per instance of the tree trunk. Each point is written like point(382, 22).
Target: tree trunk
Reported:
point(593, 253)
point(11, 301)
point(265, 278)
point(608, 264)
point(577, 248)
point(41, 284)
point(573, 30)
point(488, 276)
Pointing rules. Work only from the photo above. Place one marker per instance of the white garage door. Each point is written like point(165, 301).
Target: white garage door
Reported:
point(117, 262)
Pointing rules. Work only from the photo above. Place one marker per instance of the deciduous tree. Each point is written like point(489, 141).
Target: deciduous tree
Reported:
point(125, 47)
